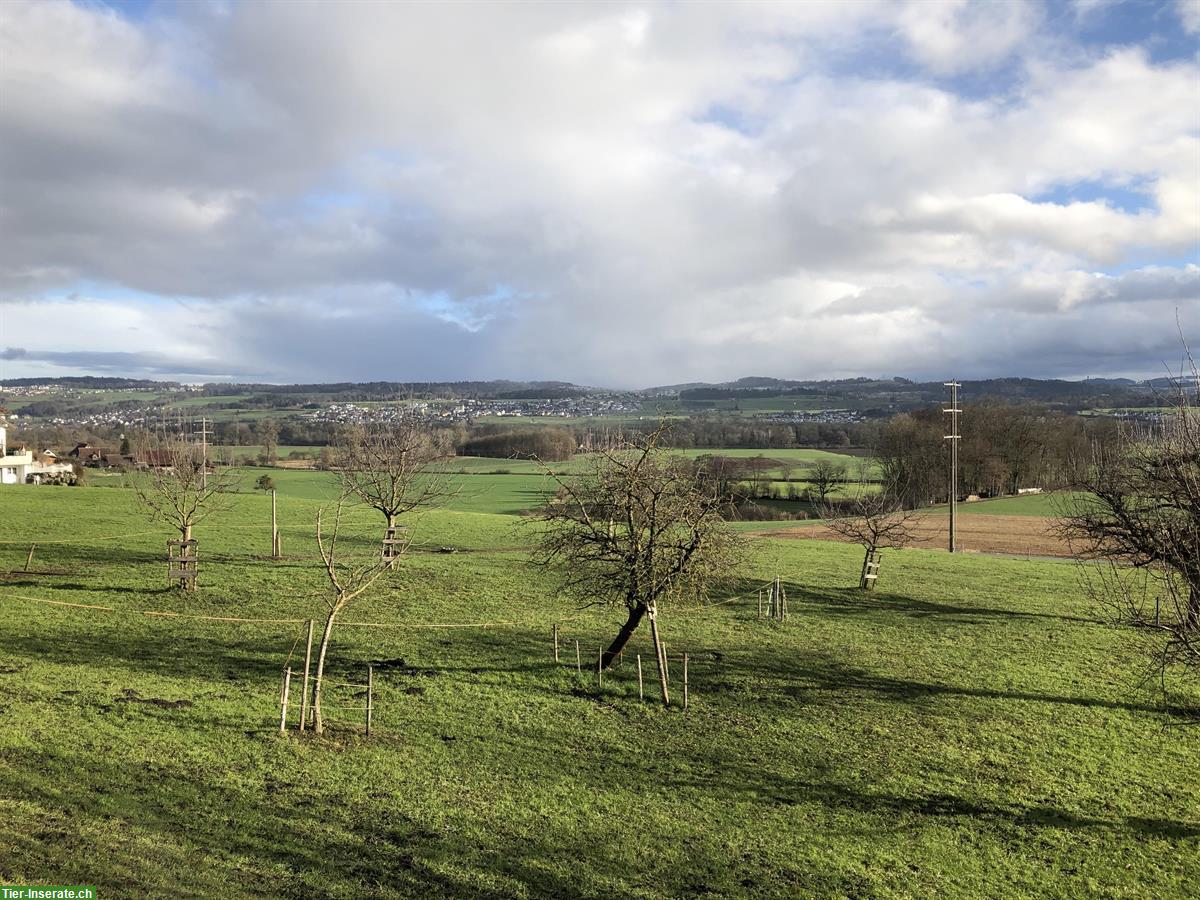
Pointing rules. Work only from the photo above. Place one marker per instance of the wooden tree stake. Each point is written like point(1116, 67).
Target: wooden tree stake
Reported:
point(370, 695)
point(685, 682)
point(283, 700)
point(600, 667)
point(307, 670)
point(556, 642)
point(578, 664)
point(641, 695)
point(29, 558)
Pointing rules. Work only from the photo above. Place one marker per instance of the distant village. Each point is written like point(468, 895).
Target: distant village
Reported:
point(469, 410)
point(823, 415)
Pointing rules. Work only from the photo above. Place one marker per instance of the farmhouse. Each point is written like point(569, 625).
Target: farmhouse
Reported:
point(99, 457)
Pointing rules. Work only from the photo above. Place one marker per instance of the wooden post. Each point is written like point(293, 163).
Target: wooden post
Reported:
point(600, 667)
point(283, 699)
point(760, 603)
point(556, 642)
point(641, 695)
point(370, 695)
point(666, 661)
point(274, 529)
point(307, 669)
point(29, 558)
point(685, 683)
point(578, 665)
point(658, 650)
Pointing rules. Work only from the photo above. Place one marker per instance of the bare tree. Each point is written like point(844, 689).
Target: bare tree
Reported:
point(174, 488)
point(395, 469)
point(1137, 515)
point(875, 519)
point(268, 435)
point(349, 578)
point(642, 526)
point(823, 476)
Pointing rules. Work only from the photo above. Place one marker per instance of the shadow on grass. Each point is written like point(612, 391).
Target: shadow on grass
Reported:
point(853, 601)
point(940, 805)
point(159, 652)
point(814, 679)
point(204, 828)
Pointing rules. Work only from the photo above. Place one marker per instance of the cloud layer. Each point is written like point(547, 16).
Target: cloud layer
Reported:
point(612, 194)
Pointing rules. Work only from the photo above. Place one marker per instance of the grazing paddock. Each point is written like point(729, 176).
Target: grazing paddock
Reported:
point(967, 729)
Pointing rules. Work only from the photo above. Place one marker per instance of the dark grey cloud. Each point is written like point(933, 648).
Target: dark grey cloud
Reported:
point(130, 363)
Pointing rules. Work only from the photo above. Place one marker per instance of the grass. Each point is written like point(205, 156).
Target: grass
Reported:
point(1048, 505)
point(968, 730)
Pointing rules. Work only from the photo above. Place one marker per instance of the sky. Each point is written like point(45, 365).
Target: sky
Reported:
point(615, 194)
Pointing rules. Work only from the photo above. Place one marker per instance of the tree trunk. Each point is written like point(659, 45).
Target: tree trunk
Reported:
point(185, 532)
point(658, 652)
point(390, 549)
point(623, 636)
point(862, 576)
point(316, 697)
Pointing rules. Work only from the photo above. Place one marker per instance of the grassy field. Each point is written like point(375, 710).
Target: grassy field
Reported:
point(968, 730)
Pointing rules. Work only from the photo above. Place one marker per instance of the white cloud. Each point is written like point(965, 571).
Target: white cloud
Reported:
point(1189, 15)
point(954, 35)
point(666, 191)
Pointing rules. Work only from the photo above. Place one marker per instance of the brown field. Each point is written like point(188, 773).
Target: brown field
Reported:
point(1018, 535)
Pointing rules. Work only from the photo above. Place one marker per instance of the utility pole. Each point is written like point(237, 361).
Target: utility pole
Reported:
point(953, 437)
point(204, 433)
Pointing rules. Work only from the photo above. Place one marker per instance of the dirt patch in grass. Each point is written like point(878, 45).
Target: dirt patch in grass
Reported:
point(1018, 535)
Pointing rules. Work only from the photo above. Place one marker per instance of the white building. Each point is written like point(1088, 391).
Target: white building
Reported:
point(20, 467)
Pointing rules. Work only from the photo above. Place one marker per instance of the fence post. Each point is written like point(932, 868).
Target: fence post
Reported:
point(370, 695)
point(283, 699)
point(307, 669)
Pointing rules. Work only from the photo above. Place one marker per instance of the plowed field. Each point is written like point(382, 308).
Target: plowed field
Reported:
point(1020, 535)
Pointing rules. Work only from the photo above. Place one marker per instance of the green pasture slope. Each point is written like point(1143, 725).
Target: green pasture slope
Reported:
point(968, 730)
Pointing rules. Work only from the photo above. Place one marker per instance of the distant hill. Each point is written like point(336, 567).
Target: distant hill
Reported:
point(878, 395)
point(902, 393)
point(93, 383)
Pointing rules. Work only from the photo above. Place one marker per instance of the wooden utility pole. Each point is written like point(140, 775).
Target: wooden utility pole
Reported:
point(204, 433)
point(953, 437)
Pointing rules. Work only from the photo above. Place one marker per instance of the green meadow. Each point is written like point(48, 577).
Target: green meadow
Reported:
point(968, 730)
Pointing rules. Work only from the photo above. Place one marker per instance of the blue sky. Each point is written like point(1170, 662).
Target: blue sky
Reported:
point(611, 193)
